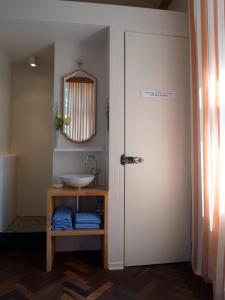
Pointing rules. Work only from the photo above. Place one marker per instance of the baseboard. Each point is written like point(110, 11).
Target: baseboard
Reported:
point(116, 265)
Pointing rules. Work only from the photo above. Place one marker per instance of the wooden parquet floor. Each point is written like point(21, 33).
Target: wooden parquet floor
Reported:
point(80, 276)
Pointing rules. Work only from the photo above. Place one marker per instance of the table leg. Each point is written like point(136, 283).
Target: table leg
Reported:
point(50, 242)
point(105, 237)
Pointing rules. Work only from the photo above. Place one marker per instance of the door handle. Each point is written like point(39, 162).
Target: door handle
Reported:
point(130, 160)
point(138, 160)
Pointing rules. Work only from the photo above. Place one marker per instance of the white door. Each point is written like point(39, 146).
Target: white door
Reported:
point(158, 190)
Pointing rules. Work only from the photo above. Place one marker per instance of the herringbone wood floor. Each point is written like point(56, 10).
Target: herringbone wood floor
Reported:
point(80, 276)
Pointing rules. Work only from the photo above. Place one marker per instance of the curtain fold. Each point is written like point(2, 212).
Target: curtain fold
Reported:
point(207, 30)
point(80, 109)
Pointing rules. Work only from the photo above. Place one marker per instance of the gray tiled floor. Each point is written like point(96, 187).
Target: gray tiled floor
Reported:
point(28, 224)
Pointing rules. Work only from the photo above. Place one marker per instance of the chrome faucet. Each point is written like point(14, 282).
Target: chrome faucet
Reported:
point(94, 171)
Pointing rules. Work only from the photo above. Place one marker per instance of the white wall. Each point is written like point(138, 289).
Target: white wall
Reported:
point(179, 5)
point(32, 136)
point(93, 56)
point(107, 60)
point(120, 19)
point(7, 162)
point(5, 102)
point(7, 190)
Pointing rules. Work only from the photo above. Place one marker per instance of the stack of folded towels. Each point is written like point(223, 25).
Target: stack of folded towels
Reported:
point(62, 219)
point(87, 221)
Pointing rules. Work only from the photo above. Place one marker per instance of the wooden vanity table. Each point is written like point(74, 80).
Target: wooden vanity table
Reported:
point(72, 192)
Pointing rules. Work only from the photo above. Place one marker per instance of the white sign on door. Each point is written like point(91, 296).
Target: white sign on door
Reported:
point(157, 94)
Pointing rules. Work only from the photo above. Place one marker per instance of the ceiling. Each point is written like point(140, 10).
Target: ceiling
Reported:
point(20, 39)
point(159, 4)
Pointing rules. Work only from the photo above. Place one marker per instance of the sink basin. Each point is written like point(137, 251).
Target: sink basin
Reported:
point(78, 180)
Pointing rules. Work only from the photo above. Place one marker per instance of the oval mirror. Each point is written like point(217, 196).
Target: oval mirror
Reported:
point(79, 106)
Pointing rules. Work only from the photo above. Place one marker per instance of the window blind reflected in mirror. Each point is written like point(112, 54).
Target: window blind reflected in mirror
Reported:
point(79, 108)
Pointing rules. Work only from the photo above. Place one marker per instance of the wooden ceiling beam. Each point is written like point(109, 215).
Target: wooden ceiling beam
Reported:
point(165, 4)
point(135, 3)
point(160, 4)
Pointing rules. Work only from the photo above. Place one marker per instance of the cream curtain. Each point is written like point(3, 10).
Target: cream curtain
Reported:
point(80, 109)
point(207, 28)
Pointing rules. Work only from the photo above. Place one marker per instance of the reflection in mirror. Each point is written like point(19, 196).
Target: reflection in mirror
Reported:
point(79, 106)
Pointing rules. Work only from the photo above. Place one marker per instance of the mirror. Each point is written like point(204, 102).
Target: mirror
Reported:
point(79, 106)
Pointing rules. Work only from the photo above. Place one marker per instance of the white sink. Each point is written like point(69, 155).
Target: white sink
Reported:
point(78, 180)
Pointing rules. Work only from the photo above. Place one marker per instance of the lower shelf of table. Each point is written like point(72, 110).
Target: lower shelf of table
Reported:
point(78, 232)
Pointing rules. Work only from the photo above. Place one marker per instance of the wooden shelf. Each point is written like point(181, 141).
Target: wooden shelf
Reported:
point(78, 232)
point(52, 235)
point(70, 191)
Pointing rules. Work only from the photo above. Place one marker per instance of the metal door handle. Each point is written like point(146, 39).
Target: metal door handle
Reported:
point(130, 160)
point(138, 160)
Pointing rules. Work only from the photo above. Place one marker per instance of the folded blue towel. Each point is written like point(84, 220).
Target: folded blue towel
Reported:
point(88, 218)
point(86, 226)
point(61, 227)
point(62, 219)
point(62, 213)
